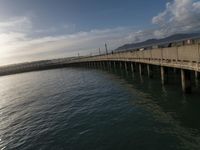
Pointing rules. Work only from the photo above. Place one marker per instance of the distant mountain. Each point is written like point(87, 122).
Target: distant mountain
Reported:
point(175, 37)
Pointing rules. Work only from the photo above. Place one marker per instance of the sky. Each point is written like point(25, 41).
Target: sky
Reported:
point(45, 29)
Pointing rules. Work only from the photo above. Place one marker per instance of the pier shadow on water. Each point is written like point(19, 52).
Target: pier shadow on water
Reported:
point(169, 96)
point(168, 100)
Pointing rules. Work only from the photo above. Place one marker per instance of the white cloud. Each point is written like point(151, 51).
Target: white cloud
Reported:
point(17, 44)
point(17, 24)
point(196, 6)
point(179, 16)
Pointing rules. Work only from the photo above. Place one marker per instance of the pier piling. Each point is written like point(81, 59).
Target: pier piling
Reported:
point(186, 81)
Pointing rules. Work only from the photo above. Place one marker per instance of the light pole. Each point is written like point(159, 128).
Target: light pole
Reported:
point(106, 49)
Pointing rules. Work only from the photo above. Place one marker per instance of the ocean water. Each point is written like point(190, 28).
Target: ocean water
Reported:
point(88, 109)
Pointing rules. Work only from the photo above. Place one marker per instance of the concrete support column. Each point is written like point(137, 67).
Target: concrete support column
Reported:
point(125, 65)
point(120, 64)
point(103, 65)
point(186, 81)
point(196, 78)
point(96, 64)
point(163, 75)
point(149, 71)
point(174, 70)
point(132, 68)
point(107, 64)
point(197, 75)
point(110, 64)
point(114, 65)
point(140, 69)
point(93, 64)
point(89, 64)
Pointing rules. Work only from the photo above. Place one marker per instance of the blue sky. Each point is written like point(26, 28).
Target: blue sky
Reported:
point(43, 29)
point(85, 14)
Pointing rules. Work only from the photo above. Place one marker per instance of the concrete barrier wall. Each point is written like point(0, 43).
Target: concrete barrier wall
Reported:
point(170, 53)
point(188, 53)
point(128, 55)
point(183, 53)
point(156, 53)
point(147, 54)
point(134, 55)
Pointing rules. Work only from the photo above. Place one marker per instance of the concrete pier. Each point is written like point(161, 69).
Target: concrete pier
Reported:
point(183, 59)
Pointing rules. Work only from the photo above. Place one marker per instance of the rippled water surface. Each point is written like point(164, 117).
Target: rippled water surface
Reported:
point(87, 109)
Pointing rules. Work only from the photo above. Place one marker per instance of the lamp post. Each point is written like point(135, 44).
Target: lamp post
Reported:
point(106, 49)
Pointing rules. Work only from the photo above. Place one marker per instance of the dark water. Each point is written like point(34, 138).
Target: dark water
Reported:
point(82, 109)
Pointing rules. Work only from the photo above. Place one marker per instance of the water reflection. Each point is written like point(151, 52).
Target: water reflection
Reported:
point(170, 106)
point(169, 97)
